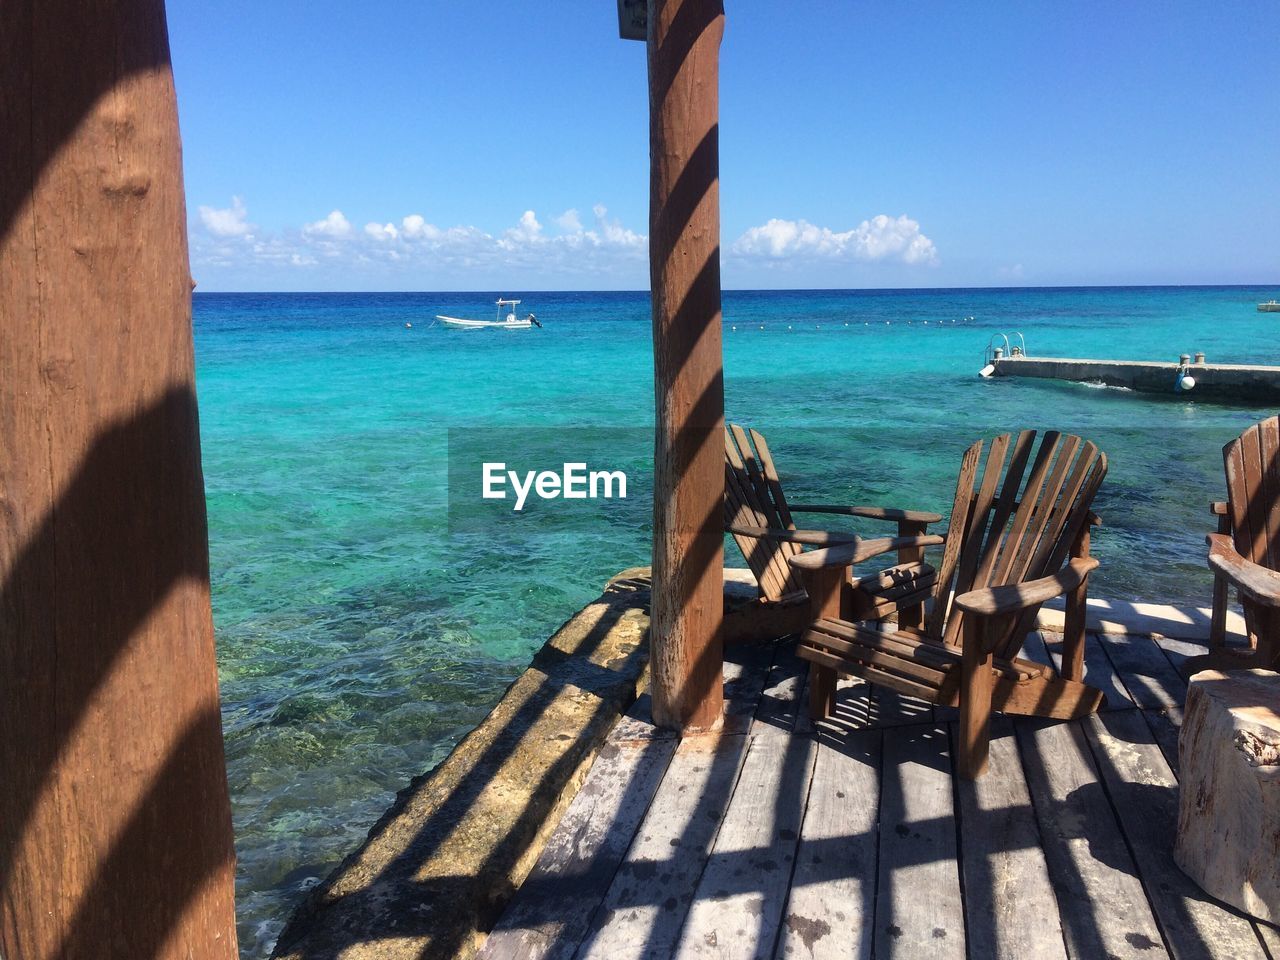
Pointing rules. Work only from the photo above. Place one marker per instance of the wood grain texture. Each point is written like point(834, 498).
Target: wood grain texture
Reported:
point(1010, 909)
point(830, 913)
point(1155, 686)
point(1062, 849)
point(1103, 907)
point(1099, 672)
point(1013, 598)
point(1145, 795)
point(918, 850)
point(552, 911)
point(645, 905)
point(115, 830)
point(738, 907)
point(684, 259)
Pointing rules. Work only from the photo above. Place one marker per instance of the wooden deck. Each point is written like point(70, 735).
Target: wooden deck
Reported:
point(854, 839)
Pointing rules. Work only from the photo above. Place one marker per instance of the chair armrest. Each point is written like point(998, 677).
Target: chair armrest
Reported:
point(813, 538)
point(1016, 597)
point(1218, 508)
point(871, 513)
point(846, 555)
point(1253, 580)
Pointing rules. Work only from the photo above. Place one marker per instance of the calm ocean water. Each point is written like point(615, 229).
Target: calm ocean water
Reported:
point(361, 634)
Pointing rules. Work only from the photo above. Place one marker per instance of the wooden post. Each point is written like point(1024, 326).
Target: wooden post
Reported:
point(115, 827)
point(684, 257)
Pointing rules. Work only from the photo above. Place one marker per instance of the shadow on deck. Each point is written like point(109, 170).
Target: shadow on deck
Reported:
point(853, 838)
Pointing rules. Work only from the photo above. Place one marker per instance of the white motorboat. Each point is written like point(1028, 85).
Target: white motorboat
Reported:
point(509, 322)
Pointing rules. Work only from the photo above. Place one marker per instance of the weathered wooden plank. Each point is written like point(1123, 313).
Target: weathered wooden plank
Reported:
point(1147, 675)
point(1099, 672)
point(646, 903)
point(1180, 651)
point(918, 903)
point(1155, 686)
point(1103, 909)
point(745, 668)
point(552, 910)
point(829, 913)
point(1035, 647)
point(1145, 795)
point(936, 619)
point(637, 724)
point(1010, 908)
point(737, 909)
point(781, 700)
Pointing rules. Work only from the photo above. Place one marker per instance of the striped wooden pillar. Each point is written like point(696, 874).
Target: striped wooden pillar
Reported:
point(684, 257)
point(115, 827)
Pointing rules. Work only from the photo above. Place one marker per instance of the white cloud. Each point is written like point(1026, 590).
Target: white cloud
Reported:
point(527, 229)
point(230, 222)
point(334, 225)
point(569, 221)
point(382, 231)
point(613, 232)
point(880, 238)
point(415, 251)
point(415, 225)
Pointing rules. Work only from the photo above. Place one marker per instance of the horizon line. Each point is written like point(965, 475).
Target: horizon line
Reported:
point(646, 290)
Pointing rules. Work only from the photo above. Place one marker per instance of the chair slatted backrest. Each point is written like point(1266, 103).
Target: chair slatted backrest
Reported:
point(1252, 464)
point(1014, 519)
point(754, 497)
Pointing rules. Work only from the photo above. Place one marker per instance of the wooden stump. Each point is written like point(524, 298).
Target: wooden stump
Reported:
point(1229, 818)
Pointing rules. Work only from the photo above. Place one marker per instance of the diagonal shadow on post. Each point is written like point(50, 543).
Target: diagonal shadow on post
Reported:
point(104, 524)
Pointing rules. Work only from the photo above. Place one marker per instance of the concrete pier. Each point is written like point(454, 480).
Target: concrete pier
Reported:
point(1217, 381)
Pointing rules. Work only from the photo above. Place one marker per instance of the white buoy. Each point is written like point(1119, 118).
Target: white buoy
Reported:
point(987, 371)
point(1186, 382)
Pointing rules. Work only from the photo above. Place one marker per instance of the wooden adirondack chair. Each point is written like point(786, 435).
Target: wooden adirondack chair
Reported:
point(761, 521)
point(1245, 552)
point(1010, 546)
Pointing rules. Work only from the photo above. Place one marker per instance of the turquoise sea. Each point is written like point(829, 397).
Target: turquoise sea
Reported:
point(362, 630)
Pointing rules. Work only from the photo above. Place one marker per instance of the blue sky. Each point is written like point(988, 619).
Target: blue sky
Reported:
point(474, 146)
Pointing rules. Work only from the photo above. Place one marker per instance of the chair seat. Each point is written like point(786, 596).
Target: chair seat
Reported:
point(904, 660)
